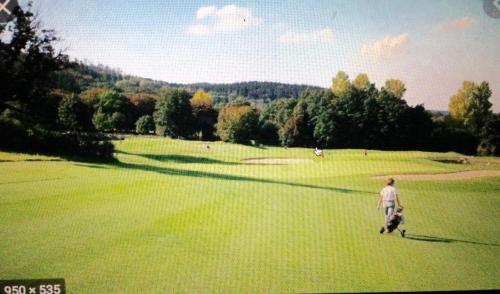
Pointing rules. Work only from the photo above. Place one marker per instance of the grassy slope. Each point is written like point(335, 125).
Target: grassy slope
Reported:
point(174, 215)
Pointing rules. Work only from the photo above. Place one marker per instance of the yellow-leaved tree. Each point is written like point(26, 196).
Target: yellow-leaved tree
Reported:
point(395, 87)
point(202, 99)
point(340, 83)
point(205, 114)
point(361, 82)
point(459, 103)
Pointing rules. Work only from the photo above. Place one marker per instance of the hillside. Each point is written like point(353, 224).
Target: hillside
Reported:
point(83, 76)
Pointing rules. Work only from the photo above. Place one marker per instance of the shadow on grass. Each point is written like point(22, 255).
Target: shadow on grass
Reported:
point(185, 159)
point(92, 165)
point(435, 239)
point(262, 147)
point(210, 175)
point(176, 158)
point(32, 160)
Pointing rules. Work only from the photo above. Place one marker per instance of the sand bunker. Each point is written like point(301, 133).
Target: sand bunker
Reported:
point(464, 175)
point(270, 160)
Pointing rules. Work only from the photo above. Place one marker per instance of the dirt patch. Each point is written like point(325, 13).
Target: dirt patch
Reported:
point(270, 160)
point(461, 160)
point(464, 175)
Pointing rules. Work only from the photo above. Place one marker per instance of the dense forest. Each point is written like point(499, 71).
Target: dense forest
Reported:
point(49, 104)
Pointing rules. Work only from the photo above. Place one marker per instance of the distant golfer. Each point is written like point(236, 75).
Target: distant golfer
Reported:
point(319, 152)
point(388, 198)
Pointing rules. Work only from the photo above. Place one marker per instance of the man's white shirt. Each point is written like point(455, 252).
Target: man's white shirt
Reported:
point(389, 194)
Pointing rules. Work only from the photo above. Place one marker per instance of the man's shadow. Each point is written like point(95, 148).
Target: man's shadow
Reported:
point(435, 239)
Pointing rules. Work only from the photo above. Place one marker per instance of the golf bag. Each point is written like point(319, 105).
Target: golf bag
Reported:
point(394, 221)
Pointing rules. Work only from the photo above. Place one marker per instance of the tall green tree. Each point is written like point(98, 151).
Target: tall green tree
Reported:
point(174, 115)
point(274, 117)
point(391, 119)
point(298, 129)
point(27, 61)
point(326, 124)
point(111, 113)
point(479, 108)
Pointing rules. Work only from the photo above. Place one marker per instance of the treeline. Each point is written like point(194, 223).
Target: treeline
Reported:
point(351, 114)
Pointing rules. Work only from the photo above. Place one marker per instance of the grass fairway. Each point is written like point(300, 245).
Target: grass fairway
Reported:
point(175, 216)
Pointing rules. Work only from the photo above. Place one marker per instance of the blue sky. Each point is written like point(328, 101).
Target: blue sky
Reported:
point(431, 45)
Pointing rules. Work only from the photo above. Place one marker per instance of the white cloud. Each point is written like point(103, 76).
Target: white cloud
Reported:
point(323, 36)
point(455, 25)
point(229, 18)
point(386, 47)
point(205, 11)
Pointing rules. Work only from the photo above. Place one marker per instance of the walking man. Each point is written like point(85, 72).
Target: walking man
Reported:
point(388, 198)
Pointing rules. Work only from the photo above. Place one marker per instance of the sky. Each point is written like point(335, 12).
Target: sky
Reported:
point(432, 46)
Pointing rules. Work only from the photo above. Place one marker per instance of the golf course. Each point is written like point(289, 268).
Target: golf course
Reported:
point(192, 216)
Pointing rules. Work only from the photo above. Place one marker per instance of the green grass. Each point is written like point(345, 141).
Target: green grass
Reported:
point(174, 216)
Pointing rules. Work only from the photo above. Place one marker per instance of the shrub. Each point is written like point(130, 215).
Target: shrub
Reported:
point(21, 138)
